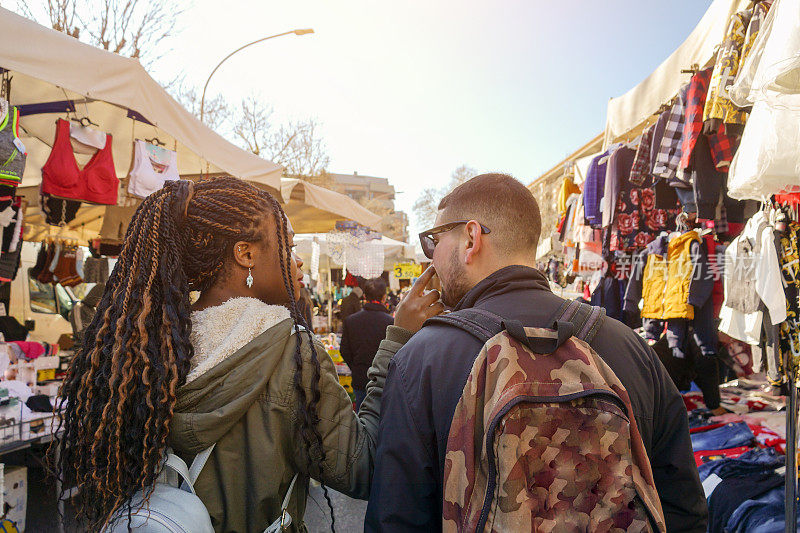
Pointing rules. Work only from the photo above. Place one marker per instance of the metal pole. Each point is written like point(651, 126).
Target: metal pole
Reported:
point(791, 452)
point(203, 97)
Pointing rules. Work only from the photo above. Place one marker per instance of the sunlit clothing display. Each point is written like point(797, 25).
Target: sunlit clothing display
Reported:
point(149, 176)
point(772, 67)
point(765, 270)
point(95, 183)
point(768, 160)
point(568, 188)
point(718, 105)
point(12, 150)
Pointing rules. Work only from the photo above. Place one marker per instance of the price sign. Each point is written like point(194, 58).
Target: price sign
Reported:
point(407, 270)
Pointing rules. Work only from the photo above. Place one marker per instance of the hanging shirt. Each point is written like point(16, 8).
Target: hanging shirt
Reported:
point(95, 183)
point(718, 104)
point(668, 157)
point(593, 189)
point(790, 269)
point(722, 144)
point(767, 161)
point(617, 172)
point(763, 272)
point(568, 188)
point(640, 170)
point(758, 32)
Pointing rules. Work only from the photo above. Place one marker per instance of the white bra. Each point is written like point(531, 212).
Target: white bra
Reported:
point(144, 180)
point(87, 136)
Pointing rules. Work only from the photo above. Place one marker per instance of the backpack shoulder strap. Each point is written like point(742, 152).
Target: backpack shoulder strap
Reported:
point(587, 319)
point(188, 474)
point(199, 462)
point(480, 323)
point(484, 325)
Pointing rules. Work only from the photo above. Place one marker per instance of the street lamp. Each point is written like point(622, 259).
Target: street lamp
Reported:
point(203, 98)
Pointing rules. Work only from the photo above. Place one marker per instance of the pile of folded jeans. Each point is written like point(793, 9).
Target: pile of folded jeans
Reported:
point(740, 459)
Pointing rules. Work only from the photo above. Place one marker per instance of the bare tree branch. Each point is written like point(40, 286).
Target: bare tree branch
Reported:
point(295, 145)
point(134, 28)
point(425, 207)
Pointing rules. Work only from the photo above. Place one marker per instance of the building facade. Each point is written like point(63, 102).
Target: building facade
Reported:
point(377, 195)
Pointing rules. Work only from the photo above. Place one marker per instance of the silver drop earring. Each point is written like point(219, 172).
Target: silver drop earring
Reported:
point(249, 280)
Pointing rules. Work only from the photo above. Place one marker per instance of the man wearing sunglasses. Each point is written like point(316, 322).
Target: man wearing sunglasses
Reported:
point(483, 247)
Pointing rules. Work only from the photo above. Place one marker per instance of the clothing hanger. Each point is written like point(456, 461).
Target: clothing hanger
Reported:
point(84, 121)
point(155, 141)
point(694, 69)
point(5, 85)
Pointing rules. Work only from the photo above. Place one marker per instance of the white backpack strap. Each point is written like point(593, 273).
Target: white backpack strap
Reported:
point(189, 474)
point(285, 519)
point(177, 465)
point(199, 462)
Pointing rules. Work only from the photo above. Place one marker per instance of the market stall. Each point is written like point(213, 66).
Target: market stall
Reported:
point(361, 254)
point(692, 209)
point(85, 136)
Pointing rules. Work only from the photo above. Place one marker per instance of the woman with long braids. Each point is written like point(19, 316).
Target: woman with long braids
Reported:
point(235, 369)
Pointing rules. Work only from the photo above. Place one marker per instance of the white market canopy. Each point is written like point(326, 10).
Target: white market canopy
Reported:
point(116, 93)
point(627, 112)
point(53, 73)
point(312, 208)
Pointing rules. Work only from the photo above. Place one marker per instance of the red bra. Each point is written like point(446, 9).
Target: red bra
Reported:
point(96, 183)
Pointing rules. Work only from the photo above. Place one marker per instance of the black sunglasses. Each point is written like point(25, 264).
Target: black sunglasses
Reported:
point(429, 243)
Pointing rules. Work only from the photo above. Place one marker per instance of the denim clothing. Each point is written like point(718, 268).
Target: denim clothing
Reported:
point(686, 199)
point(731, 493)
point(756, 461)
point(728, 436)
point(764, 514)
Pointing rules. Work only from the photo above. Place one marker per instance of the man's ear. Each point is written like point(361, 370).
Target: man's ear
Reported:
point(475, 242)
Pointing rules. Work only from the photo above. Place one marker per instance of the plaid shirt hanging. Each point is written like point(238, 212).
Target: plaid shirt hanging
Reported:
point(722, 146)
point(641, 162)
point(668, 157)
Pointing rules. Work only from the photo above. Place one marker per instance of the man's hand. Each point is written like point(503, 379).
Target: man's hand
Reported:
point(417, 306)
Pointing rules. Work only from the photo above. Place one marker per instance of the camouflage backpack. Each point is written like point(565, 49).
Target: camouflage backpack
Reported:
point(544, 438)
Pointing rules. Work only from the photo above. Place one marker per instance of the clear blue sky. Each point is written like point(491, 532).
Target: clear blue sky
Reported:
point(411, 90)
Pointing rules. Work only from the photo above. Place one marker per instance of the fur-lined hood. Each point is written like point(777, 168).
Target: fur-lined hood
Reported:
point(239, 348)
point(219, 332)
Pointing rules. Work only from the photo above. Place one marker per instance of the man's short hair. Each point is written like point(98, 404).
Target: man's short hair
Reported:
point(502, 204)
point(374, 289)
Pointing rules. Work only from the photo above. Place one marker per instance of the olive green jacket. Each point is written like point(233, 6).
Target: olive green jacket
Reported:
point(248, 406)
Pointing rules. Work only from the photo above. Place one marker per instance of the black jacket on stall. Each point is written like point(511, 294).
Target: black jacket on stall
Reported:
point(426, 379)
point(362, 334)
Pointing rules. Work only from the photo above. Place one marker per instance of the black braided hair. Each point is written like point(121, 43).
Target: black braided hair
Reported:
point(119, 395)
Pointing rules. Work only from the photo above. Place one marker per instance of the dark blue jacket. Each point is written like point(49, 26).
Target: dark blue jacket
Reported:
point(362, 334)
point(426, 379)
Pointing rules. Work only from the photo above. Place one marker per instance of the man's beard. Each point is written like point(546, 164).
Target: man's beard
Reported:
point(457, 285)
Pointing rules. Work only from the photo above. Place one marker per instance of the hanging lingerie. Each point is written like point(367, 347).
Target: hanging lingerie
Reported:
point(95, 183)
point(57, 211)
point(87, 136)
point(145, 179)
point(12, 151)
